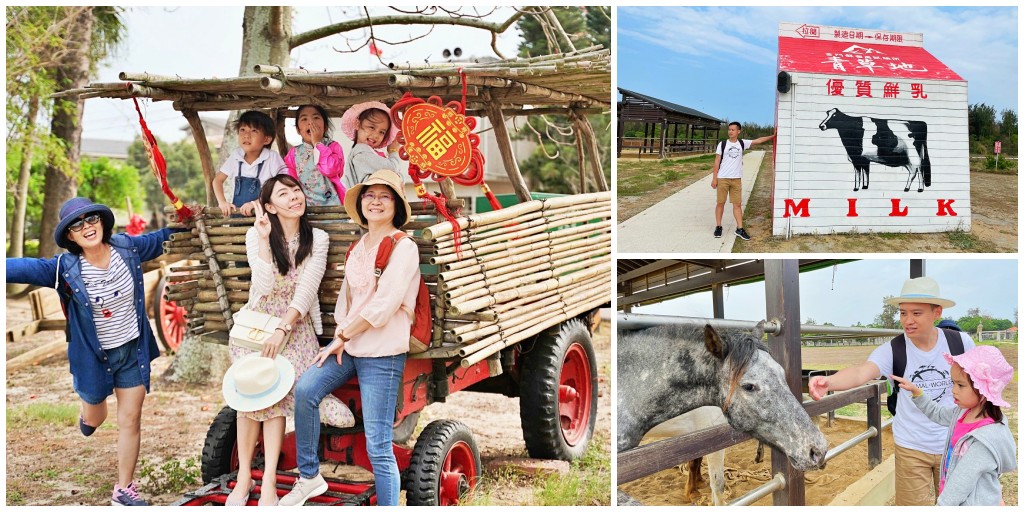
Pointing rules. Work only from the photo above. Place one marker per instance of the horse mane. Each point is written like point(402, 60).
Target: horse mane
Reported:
point(739, 348)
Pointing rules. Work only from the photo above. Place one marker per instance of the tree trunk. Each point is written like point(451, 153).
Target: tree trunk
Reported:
point(17, 232)
point(266, 31)
point(61, 180)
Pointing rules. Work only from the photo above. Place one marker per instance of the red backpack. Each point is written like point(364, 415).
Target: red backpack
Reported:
point(422, 321)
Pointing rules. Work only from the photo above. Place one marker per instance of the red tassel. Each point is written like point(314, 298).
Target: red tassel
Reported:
point(159, 167)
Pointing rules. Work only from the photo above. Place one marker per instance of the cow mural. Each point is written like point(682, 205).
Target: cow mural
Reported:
point(890, 142)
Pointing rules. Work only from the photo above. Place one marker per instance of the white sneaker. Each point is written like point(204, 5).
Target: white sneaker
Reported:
point(304, 489)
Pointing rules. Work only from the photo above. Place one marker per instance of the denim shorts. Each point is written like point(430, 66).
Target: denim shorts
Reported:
point(124, 364)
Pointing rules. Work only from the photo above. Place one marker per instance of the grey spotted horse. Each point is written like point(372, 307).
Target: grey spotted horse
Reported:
point(666, 371)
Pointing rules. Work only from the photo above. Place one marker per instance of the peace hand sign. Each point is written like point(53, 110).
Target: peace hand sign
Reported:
point(262, 222)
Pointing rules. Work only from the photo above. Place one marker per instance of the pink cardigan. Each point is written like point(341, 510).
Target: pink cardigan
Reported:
point(330, 162)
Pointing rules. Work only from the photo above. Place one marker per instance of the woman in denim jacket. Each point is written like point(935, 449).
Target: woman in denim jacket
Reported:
point(110, 343)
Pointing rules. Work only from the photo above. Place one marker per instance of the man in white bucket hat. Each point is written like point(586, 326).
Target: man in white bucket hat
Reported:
point(919, 441)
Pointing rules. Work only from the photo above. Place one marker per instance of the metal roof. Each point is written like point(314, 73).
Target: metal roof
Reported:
point(673, 107)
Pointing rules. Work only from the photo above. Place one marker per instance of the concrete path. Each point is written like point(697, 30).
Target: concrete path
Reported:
point(685, 222)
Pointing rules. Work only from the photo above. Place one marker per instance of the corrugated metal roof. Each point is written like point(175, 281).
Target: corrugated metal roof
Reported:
point(679, 109)
point(861, 59)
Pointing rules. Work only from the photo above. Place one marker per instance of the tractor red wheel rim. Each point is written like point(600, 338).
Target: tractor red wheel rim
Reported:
point(458, 474)
point(575, 388)
point(172, 323)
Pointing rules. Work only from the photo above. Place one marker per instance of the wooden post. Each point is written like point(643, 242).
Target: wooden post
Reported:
point(782, 298)
point(916, 268)
point(664, 137)
point(505, 147)
point(279, 138)
point(580, 162)
point(717, 300)
point(875, 420)
point(199, 134)
point(585, 134)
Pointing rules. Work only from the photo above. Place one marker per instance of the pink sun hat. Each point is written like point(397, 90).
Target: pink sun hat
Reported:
point(350, 120)
point(988, 370)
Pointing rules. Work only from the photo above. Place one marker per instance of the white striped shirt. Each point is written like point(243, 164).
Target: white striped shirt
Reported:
point(112, 298)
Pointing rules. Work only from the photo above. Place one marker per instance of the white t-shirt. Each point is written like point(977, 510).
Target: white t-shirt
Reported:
point(272, 166)
point(112, 299)
point(930, 372)
point(732, 160)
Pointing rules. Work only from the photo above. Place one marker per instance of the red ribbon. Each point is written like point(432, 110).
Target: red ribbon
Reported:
point(159, 167)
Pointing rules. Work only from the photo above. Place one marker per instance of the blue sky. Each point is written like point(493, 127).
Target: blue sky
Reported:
point(721, 61)
point(852, 292)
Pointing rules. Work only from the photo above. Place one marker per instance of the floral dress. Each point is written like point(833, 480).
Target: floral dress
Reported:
point(301, 347)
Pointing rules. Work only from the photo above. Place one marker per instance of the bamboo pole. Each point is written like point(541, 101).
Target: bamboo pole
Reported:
point(588, 140)
point(515, 293)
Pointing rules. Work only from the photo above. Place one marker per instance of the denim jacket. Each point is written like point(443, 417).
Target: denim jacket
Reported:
point(92, 373)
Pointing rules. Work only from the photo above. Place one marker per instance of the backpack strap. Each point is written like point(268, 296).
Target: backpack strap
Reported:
point(721, 147)
point(955, 341)
point(742, 147)
point(899, 355)
point(383, 251)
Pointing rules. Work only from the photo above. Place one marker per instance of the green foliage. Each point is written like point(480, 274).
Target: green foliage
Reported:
point(985, 129)
point(889, 317)
point(109, 182)
point(969, 323)
point(586, 26)
point(184, 172)
point(586, 483)
point(173, 476)
point(39, 414)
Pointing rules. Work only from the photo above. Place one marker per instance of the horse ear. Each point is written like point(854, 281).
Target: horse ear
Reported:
point(759, 330)
point(713, 342)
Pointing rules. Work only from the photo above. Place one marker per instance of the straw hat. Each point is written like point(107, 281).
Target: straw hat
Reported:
point(988, 370)
point(255, 382)
point(350, 121)
point(924, 290)
point(75, 208)
point(382, 177)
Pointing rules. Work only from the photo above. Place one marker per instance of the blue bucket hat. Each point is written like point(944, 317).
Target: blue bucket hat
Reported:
point(75, 208)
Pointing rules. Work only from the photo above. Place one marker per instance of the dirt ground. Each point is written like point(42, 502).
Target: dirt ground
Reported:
point(742, 474)
point(994, 217)
point(64, 468)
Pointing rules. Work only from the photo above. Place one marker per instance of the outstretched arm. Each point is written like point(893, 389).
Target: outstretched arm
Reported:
point(842, 380)
point(764, 139)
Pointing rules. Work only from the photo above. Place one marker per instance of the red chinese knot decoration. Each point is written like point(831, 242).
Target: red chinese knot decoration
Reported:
point(437, 140)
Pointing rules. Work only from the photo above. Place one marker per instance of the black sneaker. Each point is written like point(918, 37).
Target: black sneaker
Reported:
point(742, 233)
point(718, 231)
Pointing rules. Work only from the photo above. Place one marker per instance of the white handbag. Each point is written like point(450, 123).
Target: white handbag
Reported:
point(252, 328)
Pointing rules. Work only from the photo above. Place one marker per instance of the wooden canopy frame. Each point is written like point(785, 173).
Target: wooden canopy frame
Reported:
point(654, 113)
point(573, 84)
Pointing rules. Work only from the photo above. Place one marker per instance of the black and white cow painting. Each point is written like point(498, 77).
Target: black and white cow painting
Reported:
point(890, 142)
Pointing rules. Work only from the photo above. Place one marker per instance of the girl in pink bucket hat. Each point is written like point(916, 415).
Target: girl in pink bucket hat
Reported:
point(372, 131)
point(979, 444)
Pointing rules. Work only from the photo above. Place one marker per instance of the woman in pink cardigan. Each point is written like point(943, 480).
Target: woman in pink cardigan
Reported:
point(318, 163)
point(374, 316)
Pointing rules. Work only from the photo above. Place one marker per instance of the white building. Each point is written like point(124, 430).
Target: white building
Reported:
point(872, 135)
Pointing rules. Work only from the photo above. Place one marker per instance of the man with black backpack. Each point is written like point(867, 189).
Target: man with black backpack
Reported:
point(915, 355)
point(727, 177)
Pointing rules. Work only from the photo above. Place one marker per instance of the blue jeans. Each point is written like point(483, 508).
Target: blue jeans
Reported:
point(379, 379)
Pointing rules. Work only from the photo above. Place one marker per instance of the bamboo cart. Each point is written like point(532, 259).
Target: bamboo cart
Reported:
point(512, 308)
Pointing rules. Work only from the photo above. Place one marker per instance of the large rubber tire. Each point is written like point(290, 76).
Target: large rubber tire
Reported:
point(558, 393)
point(220, 456)
point(445, 465)
point(170, 319)
point(403, 430)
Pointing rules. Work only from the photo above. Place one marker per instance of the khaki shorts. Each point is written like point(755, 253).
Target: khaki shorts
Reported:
point(731, 187)
point(917, 477)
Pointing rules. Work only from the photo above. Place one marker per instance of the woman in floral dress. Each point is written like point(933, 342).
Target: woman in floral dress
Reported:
point(288, 257)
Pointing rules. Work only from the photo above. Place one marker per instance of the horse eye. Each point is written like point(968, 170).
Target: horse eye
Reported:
point(749, 387)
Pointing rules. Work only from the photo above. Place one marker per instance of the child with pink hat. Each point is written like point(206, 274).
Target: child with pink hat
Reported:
point(369, 126)
point(979, 444)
